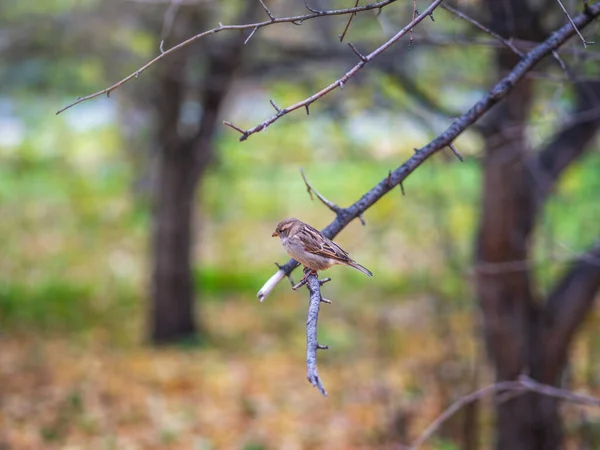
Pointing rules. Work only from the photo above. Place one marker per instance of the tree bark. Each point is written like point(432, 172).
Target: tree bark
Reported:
point(173, 315)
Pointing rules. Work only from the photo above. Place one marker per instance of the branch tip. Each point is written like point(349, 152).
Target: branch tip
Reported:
point(236, 128)
point(324, 280)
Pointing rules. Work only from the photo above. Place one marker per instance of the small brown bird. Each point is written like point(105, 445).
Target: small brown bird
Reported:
point(310, 248)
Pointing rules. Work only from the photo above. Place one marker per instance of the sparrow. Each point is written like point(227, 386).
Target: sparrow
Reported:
point(311, 249)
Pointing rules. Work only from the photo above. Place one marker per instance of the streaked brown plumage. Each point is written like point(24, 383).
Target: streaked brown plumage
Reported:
point(311, 249)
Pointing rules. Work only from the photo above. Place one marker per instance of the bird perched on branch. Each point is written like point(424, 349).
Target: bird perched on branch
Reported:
point(311, 249)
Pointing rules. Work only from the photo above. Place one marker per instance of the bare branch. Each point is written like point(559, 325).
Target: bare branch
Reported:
point(571, 300)
point(483, 28)
point(312, 344)
point(343, 80)
point(249, 26)
point(522, 385)
point(497, 93)
point(458, 405)
point(332, 206)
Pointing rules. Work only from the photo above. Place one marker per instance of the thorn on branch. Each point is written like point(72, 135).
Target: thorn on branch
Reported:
point(341, 84)
point(160, 47)
point(322, 347)
point(361, 217)
point(275, 106)
point(307, 110)
point(359, 54)
point(388, 181)
point(453, 148)
point(325, 280)
point(324, 300)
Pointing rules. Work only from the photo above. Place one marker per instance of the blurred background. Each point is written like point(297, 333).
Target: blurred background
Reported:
point(139, 220)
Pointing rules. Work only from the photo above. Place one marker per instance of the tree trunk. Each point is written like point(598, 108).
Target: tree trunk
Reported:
point(524, 333)
point(185, 151)
point(173, 315)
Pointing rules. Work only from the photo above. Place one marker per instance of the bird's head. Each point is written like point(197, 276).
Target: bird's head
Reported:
point(284, 227)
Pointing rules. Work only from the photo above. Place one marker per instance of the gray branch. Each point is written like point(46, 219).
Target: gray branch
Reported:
point(495, 95)
point(312, 344)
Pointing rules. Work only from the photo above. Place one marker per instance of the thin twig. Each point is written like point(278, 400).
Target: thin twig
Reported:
point(497, 93)
point(355, 50)
point(249, 26)
point(458, 405)
point(585, 43)
point(455, 151)
point(312, 344)
point(229, 124)
point(271, 16)
point(250, 35)
point(506, 42)
point(521, 386)
point(483, 28)
point(332, 206)
point(341, 36)
point(343, 80)
point(414, 15)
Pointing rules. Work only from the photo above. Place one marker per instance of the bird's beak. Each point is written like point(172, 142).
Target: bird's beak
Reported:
point(275, 234)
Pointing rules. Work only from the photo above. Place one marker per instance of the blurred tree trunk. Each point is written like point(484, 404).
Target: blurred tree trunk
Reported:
point(526, 333)
point(185, 151)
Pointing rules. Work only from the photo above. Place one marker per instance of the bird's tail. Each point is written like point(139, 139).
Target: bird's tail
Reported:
point(357, 266)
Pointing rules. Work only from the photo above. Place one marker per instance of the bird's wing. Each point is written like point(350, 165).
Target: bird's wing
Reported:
point(314, 242)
